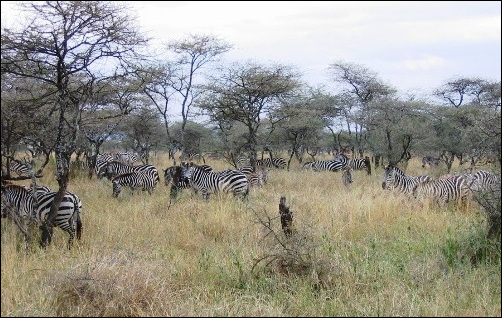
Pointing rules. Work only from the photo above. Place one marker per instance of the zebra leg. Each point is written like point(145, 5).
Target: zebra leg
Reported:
point(47, 231)
point(79, 227)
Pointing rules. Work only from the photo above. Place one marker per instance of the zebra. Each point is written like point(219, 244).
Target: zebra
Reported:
point(394, 178)
point(429, 160)
point(101, 161)
point(324, 165)
point(442, 191)
point(21, 169)
point(134, 180)
point(360, 164)
point(208, 182)
point(114, 168)
point(272, 162)
point(259, 172)
point(485, 181)
point(68, 214)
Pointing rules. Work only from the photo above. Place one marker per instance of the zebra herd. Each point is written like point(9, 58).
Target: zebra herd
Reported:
point(206, 181)
point(450, 188)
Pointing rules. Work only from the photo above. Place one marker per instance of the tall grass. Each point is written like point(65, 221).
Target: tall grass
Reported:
point(357, 251)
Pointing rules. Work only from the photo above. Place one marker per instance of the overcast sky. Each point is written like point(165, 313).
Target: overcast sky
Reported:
point(412, 45)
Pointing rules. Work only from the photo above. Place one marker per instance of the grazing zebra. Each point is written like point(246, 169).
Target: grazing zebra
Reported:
point(208, 182)
point(324, 165)
point(394, 178)
point(451, 189)
point(134, 180)
point(361, 164)
point(114, 168)
point(428, 160)
point(68, 214)
point(272, 162)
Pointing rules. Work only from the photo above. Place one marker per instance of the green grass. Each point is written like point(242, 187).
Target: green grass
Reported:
point(357, 251)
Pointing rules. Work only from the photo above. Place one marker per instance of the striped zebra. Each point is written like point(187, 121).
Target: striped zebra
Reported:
point(442, 191)
point(272, 162)
point(208, 182)
point(134, 180)
point(324, 165)
point(21, 169)
point(68, 215)
point(101, 161)
point(485, 181)
point(395, 179)
point(114, 168)
point(360, 164)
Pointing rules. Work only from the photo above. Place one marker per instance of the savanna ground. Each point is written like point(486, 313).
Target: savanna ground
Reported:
point(357, 251)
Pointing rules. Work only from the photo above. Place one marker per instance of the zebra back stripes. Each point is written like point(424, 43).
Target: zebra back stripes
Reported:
point(395, 179)
point(278, 162)
point(21, 169)
point(324, 165)
point(485, 181)
point(68, 214)
point(451, 189)
point(134, 180)
point(208, 182)
point(114, 168)
point(361, 164)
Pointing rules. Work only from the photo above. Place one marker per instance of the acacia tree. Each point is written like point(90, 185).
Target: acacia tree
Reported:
point(192, 54)
point(360, 87)
point(62, 43)
point(245, 93)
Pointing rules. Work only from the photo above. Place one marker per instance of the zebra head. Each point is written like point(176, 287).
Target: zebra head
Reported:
point(186, 169)
point(389, 176)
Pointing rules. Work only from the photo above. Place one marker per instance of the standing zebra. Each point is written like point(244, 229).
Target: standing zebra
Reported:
point(394, 178)
point(442, 191)
point(114, 168)
point(272, 162)
point(134, 180)
point(101, 161)
point(361, 164)
point(68, 214)
point(324, 165)
point(208, 182)
point(485, 181)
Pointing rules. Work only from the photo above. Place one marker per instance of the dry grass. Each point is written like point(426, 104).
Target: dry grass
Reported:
point(360, 251)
